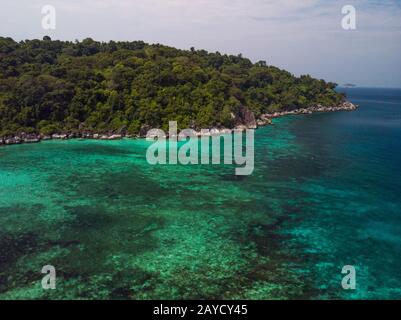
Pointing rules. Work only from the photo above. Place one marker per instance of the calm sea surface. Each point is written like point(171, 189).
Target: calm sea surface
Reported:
point(326, 192)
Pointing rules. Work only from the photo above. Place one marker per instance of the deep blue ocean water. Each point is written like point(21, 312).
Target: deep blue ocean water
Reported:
point(350, 212)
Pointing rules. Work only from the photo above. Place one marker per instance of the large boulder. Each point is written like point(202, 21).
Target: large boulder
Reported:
point(245, 117)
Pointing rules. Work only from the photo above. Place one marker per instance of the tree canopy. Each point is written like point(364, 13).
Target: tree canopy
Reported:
point(51, 86)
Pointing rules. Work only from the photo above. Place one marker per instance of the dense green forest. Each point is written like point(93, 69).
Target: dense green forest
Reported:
point(51, 86)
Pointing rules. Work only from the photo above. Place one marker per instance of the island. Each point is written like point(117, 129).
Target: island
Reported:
point(51, 89)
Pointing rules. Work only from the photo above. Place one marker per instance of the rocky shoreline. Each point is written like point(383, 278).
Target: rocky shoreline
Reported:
point(345, 106)
point(249, 123)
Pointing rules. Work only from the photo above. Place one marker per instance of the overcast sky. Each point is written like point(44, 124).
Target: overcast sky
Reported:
point(302, 36)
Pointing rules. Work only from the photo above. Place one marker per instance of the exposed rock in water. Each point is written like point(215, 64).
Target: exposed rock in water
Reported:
point(59, 136)
point(263, 121)
point(115, 137)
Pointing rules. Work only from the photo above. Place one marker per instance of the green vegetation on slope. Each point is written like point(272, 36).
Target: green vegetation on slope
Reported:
point(52, 86)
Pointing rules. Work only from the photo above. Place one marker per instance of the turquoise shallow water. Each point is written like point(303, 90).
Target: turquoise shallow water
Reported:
point(325, 193)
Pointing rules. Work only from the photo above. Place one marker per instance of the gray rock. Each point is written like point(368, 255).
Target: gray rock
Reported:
point(115, 137)
point(247, 118)
point(31, 139)
point(12, 140)
point(59, 136)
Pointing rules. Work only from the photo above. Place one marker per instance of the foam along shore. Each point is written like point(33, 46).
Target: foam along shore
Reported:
point(263, 120)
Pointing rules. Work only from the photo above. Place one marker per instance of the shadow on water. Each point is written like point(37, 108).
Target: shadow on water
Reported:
point(99, 148)
point(13, 247)
point(279, 258)
point(82, 248)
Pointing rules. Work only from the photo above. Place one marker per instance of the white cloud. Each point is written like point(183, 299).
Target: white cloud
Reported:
point(302, 36)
